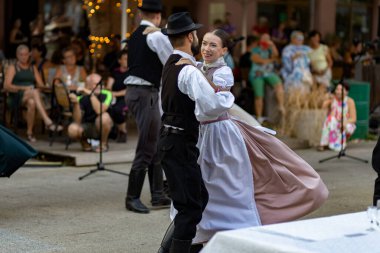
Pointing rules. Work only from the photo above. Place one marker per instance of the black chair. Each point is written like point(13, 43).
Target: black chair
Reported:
point(61, 108)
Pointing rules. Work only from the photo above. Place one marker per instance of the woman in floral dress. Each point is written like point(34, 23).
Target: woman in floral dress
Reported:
point(331, 132)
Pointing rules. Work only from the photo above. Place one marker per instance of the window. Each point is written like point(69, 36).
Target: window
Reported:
point(284, 11)
point(353, 19)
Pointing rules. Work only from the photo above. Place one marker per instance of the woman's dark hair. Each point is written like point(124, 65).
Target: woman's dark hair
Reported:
point(121, 53)
point(40, 48)
point(313, 33)
point(345, 85)
point(67, 49)
point(224, 37)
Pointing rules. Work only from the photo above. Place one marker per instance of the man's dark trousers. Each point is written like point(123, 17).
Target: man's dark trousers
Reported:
point(179, 156)
point(142, 101)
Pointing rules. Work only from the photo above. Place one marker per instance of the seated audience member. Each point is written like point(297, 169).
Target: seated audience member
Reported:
point(227, 26)
point(320, 61)
point(21, 79)
point(229, 59)
point(86, 114)
point(118, 108)
point(245, 62)
point(110, 59)
point(335, 47)
point(262, 27)
point(354, 60)
point(262, 72)
point(331, 132)
point(43, 65)
point(70, 73)
point(279, 36)
point(80, 49)
point(295, 64)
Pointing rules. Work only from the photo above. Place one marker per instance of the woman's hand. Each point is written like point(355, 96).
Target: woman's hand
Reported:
point(297, 55)
point(27, 88)
point(150, 29)
point(184, 61)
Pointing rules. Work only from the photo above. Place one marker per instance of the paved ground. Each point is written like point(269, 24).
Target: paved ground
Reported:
point(50, 210)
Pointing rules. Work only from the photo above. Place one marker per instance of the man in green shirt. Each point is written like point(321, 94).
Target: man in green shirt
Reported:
point(86, 114)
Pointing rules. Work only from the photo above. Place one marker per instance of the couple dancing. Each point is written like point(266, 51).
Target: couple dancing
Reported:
point(222, 173)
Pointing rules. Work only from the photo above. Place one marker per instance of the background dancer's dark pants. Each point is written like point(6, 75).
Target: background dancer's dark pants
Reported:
point(142, 101)
point(179, 160)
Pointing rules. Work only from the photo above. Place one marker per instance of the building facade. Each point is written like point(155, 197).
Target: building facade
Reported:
point(347, 19)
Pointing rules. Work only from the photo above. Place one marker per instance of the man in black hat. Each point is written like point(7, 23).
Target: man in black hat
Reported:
point(182, 87)
point(146, 56)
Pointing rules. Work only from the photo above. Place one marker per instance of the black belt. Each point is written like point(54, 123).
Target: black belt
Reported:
point(170, 130)
point(149, 87)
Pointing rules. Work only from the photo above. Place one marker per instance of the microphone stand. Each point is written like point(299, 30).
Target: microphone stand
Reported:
point(342, 151)
point(100, 165)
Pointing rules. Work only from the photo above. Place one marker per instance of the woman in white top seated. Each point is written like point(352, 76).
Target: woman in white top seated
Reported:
point(70, 73)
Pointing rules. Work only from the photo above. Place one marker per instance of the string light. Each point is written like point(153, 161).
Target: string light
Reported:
point(99, 43)
point(93, 6)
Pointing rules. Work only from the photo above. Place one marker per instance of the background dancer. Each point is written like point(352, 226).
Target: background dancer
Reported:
point(147, 54)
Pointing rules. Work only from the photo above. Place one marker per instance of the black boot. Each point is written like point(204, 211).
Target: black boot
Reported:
point(180, 246)
point(156, 183)
point(132, 201)
point(196, 248)
point(167, 240)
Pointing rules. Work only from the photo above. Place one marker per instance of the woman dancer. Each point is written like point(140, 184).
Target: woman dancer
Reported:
point(251, 176)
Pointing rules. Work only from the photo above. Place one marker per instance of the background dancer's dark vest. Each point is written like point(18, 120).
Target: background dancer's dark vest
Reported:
point(142, 61)
point(178, 108)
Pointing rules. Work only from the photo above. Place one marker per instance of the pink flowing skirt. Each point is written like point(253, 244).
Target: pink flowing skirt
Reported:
point(286, 186)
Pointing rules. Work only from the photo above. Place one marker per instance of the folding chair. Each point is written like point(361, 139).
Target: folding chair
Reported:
point(62, 107)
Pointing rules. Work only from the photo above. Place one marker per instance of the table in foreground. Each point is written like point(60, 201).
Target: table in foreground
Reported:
point(348, 233)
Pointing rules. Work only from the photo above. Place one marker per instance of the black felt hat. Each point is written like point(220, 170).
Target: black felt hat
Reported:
point(180, 23)
point(151, 6)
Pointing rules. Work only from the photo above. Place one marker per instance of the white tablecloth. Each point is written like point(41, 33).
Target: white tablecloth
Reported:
point(347, 233)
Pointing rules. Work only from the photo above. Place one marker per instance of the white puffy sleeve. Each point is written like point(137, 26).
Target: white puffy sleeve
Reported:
point(208, 104)
point(223, 77)
point(160, 44)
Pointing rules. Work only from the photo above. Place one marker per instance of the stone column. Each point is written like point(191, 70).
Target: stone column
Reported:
point(325, 13)
point(375, 19)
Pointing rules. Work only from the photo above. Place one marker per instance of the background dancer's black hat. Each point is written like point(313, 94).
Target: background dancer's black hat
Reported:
point(151, 6)
point(180, 23)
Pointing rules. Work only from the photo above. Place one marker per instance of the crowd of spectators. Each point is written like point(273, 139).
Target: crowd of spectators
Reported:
point(284, 58)
point(55, 50)
point(291, 60)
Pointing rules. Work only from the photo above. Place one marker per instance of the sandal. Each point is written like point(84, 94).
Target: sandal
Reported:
point(85, 145)
point(104, 148)
point(31, 138)
point(321, 148)
point(53, 127)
